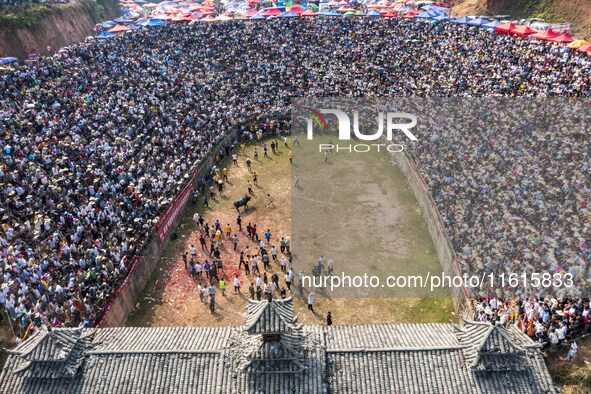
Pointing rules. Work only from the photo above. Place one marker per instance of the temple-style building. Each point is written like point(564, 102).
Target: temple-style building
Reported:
point(273, 353)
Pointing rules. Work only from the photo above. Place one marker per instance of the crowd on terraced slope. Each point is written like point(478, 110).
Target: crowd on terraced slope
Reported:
point(95, 145)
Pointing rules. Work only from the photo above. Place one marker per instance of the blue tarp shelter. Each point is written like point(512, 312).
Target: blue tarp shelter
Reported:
point(491, 25)
point(428, 15)
point(7, 60)
point(105, 35)
point(373, 14)
point(461, 21)
point(478, 22)
point(155, 22)
point(288, 14)
point(257, 16)
point(441, 17)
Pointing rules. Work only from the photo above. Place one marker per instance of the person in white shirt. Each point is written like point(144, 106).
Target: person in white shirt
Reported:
point(311, 300)
point(288, 280)
point(236, 285)
point(572, 353)
point(561, 332)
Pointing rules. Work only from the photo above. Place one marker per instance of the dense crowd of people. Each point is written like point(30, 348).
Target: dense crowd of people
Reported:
point(511, 181)
point(549, 321)
point(97, 144)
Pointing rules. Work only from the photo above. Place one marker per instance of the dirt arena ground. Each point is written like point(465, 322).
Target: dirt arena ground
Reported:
point(171, 297)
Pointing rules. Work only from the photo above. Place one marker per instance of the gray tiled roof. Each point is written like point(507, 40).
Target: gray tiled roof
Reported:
point(245, 370)
point(384, 336)
point(272, 354)
point(160, 339)
point(129, 373)
point(270, 317)
point(434, 358)
point(50, 354)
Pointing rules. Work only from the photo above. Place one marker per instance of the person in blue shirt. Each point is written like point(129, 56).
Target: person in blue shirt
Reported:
point(268, 235)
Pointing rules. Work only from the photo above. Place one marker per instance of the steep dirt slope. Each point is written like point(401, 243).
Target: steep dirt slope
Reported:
point(57, 26)
point(576, 12)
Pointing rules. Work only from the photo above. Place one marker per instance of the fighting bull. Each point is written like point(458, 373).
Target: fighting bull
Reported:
point(242, 202)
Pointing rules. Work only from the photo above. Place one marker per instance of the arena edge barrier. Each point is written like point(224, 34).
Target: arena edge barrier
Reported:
point(118, 309)
point(129, 292)
point(445, 252)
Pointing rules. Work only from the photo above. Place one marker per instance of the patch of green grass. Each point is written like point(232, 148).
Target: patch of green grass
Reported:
point(541, 9)
point(28, 16)
point(24, 17)
point(431, 310)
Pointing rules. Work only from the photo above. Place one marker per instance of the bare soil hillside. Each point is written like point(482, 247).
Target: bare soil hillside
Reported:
point(33, 28)
point(576, 12)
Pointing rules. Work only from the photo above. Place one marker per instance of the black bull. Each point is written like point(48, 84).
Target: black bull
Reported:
point(242, 202)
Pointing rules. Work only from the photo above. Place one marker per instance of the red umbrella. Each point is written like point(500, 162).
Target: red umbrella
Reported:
point(545, 35)
point(272, 12)
point(250, 12)
point(390, 14)
point(309, 13)
point(522, 31)
point(563, 39)
point(585, 49)
point(182, 18)
point(505, 28)
point(119, 29)
point(411, 14)
point(297, 10)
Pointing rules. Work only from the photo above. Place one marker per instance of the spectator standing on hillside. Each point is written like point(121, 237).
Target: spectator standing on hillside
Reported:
point(572, 353)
